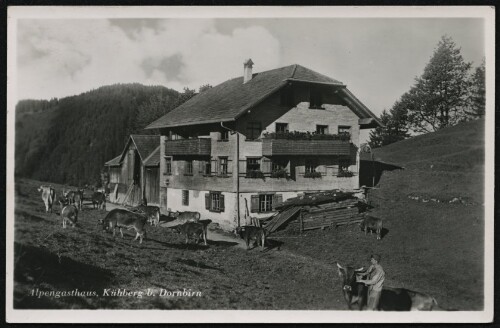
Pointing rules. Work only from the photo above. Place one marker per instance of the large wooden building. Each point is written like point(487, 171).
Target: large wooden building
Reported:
point(256, 140)
point(134, 174)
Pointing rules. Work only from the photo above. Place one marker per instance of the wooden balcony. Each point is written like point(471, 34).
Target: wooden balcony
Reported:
point(200, 147)
point(275, 147)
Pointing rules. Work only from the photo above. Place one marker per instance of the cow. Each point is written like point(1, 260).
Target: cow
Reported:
point(186, 216)
point(99, 199)
point(196, 230)
point(372, 223)
point(249, 233)
point(69, 213)
point(392, 299)
point(69, 195)
point(152, 213)
point(119, 218)
point(48, 196)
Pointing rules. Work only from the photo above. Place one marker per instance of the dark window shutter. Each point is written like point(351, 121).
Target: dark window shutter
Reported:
point(277, 199)
point(207, 200)
point(222, 203)
point(254, 203)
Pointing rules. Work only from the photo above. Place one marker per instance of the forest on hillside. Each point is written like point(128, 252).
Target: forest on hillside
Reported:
point(68, 140)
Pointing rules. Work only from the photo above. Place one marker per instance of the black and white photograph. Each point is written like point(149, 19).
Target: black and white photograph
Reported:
point(250, 164)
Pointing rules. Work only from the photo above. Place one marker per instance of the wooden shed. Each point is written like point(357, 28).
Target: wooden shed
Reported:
point(134, 174)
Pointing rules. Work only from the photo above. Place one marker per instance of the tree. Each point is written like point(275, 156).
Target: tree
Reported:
point(395, 127)
point(439, 97)
point(477, 96)
point(205, 87)
point(151, 110)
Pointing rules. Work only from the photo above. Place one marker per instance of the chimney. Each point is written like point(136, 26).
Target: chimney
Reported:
point(247, 70)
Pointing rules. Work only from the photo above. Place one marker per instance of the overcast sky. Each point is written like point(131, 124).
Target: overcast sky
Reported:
point(377, 58)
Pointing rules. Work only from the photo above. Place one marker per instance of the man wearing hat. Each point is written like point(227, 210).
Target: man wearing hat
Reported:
point(375, 281)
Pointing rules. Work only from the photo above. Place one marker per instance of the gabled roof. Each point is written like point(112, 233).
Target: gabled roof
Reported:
point(231, 99)
point(146, 145)
point(114, 162)
point(154, 158)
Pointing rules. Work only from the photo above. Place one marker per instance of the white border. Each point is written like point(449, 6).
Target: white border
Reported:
point(224, 316)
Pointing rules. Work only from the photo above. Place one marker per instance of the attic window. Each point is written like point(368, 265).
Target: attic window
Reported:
point(315, 99)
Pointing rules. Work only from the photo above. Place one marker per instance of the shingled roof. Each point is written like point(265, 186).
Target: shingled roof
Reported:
point(154, 158)
point(114, 162)
point(146, 145)
point(229, 100)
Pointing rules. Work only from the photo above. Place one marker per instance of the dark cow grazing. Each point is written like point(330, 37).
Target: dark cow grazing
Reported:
point(182, 217)
point(48, 196)
point(152, 213)
point(392, 299)
point(249, 233)
point(69, 195)
point(69, 213)
point(119, 218)
point(99, 200)
point(372, 223)
point(195, 230)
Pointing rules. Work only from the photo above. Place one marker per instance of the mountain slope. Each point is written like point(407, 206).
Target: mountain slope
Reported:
point(68, 140)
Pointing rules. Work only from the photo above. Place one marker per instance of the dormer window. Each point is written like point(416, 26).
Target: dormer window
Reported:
point(315, 98)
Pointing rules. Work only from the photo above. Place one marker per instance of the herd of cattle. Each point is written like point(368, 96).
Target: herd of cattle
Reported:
point(190, 225)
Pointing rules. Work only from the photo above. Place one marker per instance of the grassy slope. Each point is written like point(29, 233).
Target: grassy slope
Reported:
point(442, 242)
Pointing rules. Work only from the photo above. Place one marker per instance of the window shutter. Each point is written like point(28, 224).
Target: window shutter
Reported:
point(213, 167)
point(221, 203)
point(207, 200)
point(229, 166)
point(201, 167)
point(266, 165)
point(277, 199)
point(254, 203)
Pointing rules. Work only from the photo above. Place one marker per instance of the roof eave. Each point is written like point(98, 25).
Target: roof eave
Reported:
point(359, 106)
point(337, 84)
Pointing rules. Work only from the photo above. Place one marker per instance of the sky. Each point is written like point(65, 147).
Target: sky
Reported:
point(377, 58)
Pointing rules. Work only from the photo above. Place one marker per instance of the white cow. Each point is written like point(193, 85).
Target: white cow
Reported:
point(48, 196)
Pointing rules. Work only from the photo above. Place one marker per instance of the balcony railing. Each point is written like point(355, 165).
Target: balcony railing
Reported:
point(275, 147)
point(201, 146)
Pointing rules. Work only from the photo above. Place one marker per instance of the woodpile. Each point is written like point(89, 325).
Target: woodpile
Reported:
point(317, 210)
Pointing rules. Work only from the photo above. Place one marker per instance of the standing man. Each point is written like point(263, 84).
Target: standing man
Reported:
point(375, 281)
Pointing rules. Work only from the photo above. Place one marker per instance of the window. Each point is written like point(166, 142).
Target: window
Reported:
point(281, 127)
point(222, 165)
point(310, 166)
point(188, 168)
point(168, 166)
point(264, 202)
point(253, 130)
point(253, 168)
point(344, 129)
point(214, 201)
point(315, 100)
point(322, 129)
point(344, 165)
point(224, 135)
point(185, 197)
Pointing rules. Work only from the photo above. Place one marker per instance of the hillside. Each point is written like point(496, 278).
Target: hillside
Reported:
point(442, 165)
point(68, 140)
